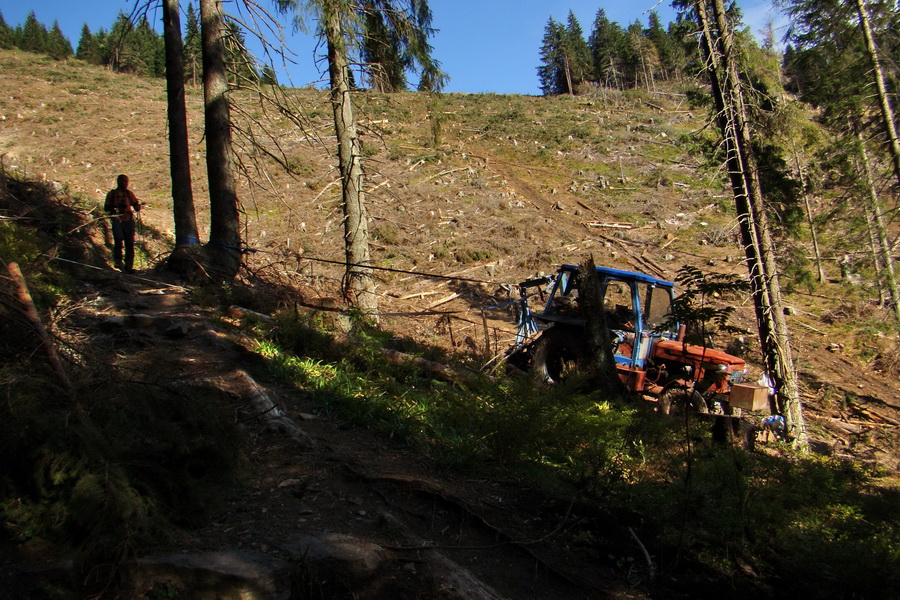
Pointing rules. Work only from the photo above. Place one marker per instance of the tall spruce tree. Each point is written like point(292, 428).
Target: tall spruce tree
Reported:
point(242, 70)
point(58, 46)
point(607, 46)
point(640, 58)
point(381, 52)
point(665, 48)
point(187, 240)
point(6, 34)
point(395, 44)
point(86, 44)
point(341, 27)
point(578, 51)
point(33, 35)
point(729, 89)
point(116, 54)
point(565, 57)
point(835, 63)
point(553, 74)
point(223, 249)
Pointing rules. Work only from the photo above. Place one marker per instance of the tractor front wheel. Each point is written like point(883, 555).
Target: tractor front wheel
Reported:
point(675, 400)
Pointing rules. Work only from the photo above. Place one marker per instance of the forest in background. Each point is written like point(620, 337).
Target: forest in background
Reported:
point(827, 148)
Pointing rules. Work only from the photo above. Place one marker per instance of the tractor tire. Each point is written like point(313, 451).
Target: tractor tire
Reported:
point(674, 401)
point(559, 352)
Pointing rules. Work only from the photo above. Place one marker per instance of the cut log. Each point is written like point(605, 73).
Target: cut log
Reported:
point(444, 300)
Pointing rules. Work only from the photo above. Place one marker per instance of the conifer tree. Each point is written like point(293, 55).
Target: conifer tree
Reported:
point(553, 73)
point(566, 57)
point(223, 249)
point(86, 47)
point(114, 51)
point(58, 46)
point(192, 52)
point(268, 76)
point(640, 58)
point(394, 44)
point(341, 29)
point(607, 43)
point(148, 50)
point(665, 48)
point(241, 65)
point(837, 65)
point(578, 51)
point(187, 239)
point(6, 34)
point(381, 52)
point(33, 36)
point(729, 90)
point(102, 50)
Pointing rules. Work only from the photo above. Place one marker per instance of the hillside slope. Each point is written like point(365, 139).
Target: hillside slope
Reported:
point(494, 189)
point(512, 187)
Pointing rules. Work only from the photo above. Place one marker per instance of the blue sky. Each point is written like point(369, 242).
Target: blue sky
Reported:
point(484, 45)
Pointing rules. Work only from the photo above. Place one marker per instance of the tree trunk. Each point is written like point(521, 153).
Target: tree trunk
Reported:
point(599, 338)
point(186, 236)
point(223, 248)
point(820, 267)
point(887, 114)
point(890, 277)
point(358, 284)
point(883, 297)
point(732, 118)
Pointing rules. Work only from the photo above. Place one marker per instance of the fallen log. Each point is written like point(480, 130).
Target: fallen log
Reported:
point(264, 408)
point(30, 312)
point(441, 371)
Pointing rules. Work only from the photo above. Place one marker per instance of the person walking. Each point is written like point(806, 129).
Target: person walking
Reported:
point(121, 204)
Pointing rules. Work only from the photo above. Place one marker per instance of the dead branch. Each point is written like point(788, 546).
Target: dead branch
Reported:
point(610, 225)
point(650, 565)
point(437, 369)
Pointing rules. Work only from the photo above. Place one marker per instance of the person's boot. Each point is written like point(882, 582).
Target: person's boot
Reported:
point(117, 256)
point(129, 260)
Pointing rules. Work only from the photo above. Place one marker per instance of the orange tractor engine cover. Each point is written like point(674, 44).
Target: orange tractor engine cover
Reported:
point(699, 357)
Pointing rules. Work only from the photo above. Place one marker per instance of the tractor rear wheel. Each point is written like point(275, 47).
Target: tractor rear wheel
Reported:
point(559, 352)
point(674, 401)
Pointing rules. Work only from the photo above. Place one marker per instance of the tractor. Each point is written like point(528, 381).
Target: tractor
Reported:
point(650, 352)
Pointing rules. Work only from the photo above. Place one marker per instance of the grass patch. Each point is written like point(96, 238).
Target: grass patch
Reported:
point(470, 421)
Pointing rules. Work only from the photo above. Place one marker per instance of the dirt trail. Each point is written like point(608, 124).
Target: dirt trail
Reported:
point(437, 535)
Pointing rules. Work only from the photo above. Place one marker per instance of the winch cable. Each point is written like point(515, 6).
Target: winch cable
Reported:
point(377, 268)
point(423, 274)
